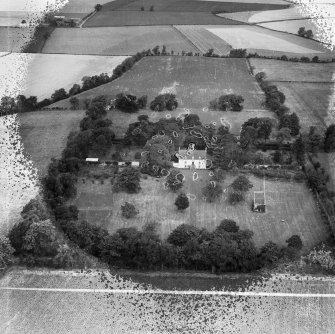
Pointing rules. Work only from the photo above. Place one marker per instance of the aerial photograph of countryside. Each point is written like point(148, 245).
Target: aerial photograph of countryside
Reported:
point(167, 166)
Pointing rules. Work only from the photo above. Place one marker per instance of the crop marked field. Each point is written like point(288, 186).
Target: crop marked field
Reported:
point(116, 41)
point(145, 18)
point(277, 70)
point(89, 311)
point(195, 81)
point(257, 38)
point(48, 72)
point(288, 201)
point(14, 39)
point(193, 6)
point(203, 39)
point(313, 102)
point(44, 134)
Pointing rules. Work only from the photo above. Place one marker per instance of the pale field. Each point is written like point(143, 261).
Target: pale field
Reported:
point(88, 311)
point(116, 40)
point(194, 80)
point(313, 102)
point(258, 38)
point(48, 72)
point(203, 39)
point(14, 39)
point(13, 19)
point(44, 134)
point(288, 201)
point(277, 70)
point(81, 6)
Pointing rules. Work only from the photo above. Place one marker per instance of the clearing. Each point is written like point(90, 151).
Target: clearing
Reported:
point(67, 309)
point(47, 72)
point(291, 208)
point(257, 39)
point(44, 134)
point(313, 102)
point(195, 81)
point(278, 70)
point(116, 41)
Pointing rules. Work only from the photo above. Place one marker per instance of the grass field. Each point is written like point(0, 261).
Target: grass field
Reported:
point(44, 134)
point(116, 41)
point(145, 18)
point(258, 39)
point(48, 72)
point(277, 70)
point(203, 39)
point(195, 81)
point(313, 102)
point(286, 201)
point(68, 311)
point(14, 39)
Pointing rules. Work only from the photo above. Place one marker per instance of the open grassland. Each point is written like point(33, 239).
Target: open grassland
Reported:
point(277, 70)
point(290, 208)
point(258, 39)
point(203, 39)
point(194, 80)
point(48, 72)
point(193, 6)
point(145, 18)
point(313, 102)
point(14, 39)
point(44, 134)
point(116, 41)
point(88, 311)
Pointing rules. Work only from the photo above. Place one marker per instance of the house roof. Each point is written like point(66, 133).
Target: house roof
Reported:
point(193, 155)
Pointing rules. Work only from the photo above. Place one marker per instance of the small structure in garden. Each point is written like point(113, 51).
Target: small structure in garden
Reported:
point(196, 159)
point(259, 204)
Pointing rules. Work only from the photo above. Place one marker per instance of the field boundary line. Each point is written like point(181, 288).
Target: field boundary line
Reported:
point(186, 38)
point(176, 292)
point(304, 82)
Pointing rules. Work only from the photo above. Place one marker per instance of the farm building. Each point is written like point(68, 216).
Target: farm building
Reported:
point(191, 159)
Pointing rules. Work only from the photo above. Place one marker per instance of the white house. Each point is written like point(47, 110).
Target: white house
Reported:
point(191, 159)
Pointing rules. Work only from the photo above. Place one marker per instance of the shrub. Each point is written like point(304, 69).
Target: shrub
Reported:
point(128, 180)
point(212, 191)
point(295, 242)
point(129, 210)
point(241, 183)
point(182, 202)
point(235, 197)
point(164, 102)
point(6, 252)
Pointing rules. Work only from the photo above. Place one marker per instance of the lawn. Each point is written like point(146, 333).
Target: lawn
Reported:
point(291, 208)
point(257, 39)
point(116, 40)
point(195, 81)
point(277, 70)
point(64, 311)
point(14, 39)
point(48, 72)
point(203, 39)
point(313, 102)
point(44, 134)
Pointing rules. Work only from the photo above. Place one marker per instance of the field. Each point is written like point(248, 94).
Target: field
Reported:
point(64, 310)
point(203, 39)
point(195, 81)
point(145, 18)
point(288, 201)
point(277, 70)
point(14, 39)
point(313, 102)
point(116, 41)
point(258, 39)
point(44, 134)
point(80, 6)
point(13, 18)
point(62, 71)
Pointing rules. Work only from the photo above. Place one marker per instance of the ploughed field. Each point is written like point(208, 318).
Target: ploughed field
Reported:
point(291, 208)
point(194, 80)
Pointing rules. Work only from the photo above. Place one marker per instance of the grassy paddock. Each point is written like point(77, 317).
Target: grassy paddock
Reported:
point(290, 208)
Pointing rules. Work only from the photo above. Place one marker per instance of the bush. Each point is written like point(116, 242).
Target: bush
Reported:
point(235, 197)
point(227, 102)
point(241, 183)
point(129, 210)
point(128, 180)
point(212, 191)
point(295, 242)
point(6, 252)
point(238, 53)
point(182, 202)
point(164, 102)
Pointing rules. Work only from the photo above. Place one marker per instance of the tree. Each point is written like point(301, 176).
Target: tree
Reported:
point(219, 175)
point(74, 102)
point(151, 8)
point(284, 135)
point(292, 122)
point(227, 102)
point(6, 252)
point(164, 102)
point(238, 53)
point(129, 210)
point(228, 225)
point(182, 234)
point(142, 9)
point(301, 31)
point(175, 180)
point(126, 102)
point(329, 143)
point(235, 197)
point(212, 191)
point(59, 94)
point(299, 148)
point(241, 183)
point(128, 180)
point(75, 89)
point(8, 105)
point(98, 7)
point(182, 202)
point(309, 34)
point(295, 242)
point(270, 253)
